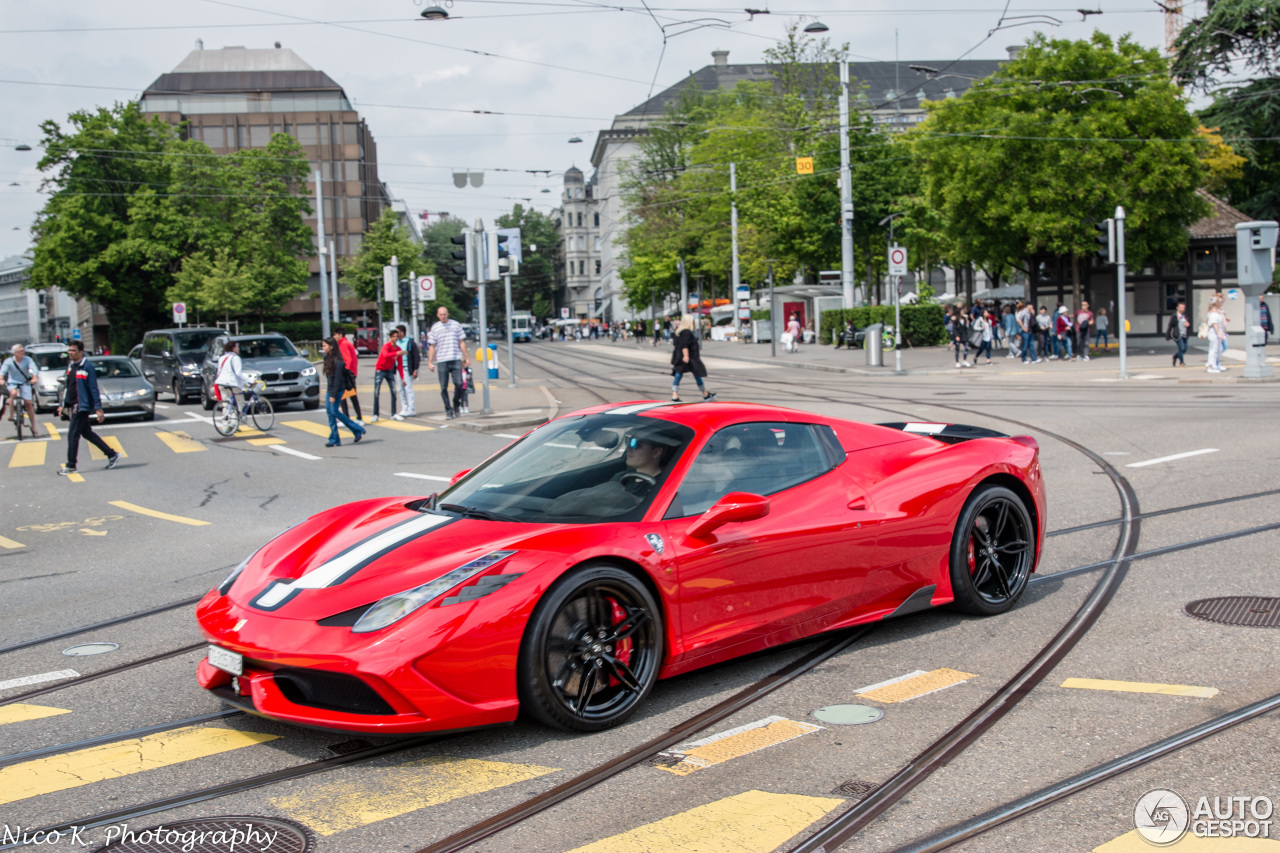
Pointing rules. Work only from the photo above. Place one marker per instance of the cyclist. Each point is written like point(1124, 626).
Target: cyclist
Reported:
point(19, 372)
point(229, 377)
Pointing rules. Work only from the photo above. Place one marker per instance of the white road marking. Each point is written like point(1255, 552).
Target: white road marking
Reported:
point(202, 418)
point(163, 406)
point(39, 679)
point(879, 684)
point(424, 477)
point(1172, 458)
point(292, 452)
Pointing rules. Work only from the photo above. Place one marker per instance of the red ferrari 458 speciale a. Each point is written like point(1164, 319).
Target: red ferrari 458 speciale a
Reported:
point(612, 547)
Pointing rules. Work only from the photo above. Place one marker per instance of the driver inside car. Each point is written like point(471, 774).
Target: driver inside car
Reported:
point(645, 455)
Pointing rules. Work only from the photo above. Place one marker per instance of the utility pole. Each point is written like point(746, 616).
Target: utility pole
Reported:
point(684, 288)
point(333, 280)
point(773, 320)
point(733, 228)
point(395, 276)
point(482, 267)
point(511, 338)
point(846, 193)
point(413, 305)
point(324, 281)
point(1124, 374)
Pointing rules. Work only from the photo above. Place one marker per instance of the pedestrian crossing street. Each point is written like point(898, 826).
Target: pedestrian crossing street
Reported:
point(34, 453)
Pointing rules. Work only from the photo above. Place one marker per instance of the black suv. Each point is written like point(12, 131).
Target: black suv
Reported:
point(171, 359)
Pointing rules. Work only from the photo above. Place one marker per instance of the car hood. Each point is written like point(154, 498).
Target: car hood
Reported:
point(123, 383)
point(356, 554)
point(288, 362)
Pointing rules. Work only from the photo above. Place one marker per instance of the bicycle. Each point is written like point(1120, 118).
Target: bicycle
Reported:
point(19, 414)
point(228, 413)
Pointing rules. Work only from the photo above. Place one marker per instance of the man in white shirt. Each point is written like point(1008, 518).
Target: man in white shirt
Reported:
point(447, 355)
point(20, 372)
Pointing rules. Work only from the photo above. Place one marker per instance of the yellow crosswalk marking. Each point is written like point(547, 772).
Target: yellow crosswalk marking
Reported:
point(736, 742)
point(308, 426)
point(248, 431)
point(21, 713)
point(335, 806)
point(9, 543)
point(918, 684)
point(266, 442)
point(54, 433)
point(180, 442)
point(28, 454)
point(402, 426)
point(120, 758)
point(1141, 687)
point(155, 513)
point(1132, 842)
point(75, 478)
point(753, 822)
point(113, 443)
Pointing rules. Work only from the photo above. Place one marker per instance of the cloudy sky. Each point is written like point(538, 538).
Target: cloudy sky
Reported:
point(558, 69)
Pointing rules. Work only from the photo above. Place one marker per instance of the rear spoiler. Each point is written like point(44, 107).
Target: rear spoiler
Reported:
point(948, 433)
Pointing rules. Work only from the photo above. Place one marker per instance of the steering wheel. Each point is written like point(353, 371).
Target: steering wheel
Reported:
point(636, 475)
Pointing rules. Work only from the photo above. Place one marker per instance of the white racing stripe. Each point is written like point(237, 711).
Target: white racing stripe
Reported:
point(330, 572)
point(292, 452)
point(1172, 458)
point(39, 679)
point(503, 435)
point(424, 476)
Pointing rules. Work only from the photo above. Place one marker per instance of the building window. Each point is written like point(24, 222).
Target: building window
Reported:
point(1205, 265)
point(582, 267)
point(306, 134)
point(582, 242)
point(1229, 260)
point(353, 243)
point(1173, 295)
point(259, 135)
point(579, 222)
point(349, 132)
point(597, 220)
point(242, 134)
point(597, 266)
point(597, 242)
point(570, 267)
point(213, 137)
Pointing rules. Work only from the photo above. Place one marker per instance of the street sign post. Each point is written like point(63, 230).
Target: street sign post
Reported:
point(804, 165)
point(180, 313)
point(564, 313)
point(897, 260)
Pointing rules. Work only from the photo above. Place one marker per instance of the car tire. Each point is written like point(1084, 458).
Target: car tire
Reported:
point(178, 396)
point(570, 676)
point(992, 552)
point(206, 402)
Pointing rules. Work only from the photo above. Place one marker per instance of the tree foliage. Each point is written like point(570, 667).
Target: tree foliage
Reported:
point(533, 286)
point(1027, 161)
point(1209, 49)
point(131, 204)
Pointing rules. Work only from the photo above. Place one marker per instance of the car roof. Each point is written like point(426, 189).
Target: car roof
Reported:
point(257, 337)
point(187, 329)
point(53, 346)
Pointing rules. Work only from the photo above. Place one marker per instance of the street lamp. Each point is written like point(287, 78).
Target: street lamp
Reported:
point(575, 139)
point(435, 13)
point(22, 146)
point(816, 27)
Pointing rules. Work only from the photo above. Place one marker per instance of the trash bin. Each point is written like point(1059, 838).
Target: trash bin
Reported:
point(873, 343)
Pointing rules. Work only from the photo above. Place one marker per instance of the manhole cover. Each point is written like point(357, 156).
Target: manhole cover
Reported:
point(86, 649)
point(854, 788)
point(213, 835)
point(1250, 611)
point(848, 715)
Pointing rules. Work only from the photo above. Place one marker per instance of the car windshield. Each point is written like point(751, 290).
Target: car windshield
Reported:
point(266, 348)
point(586, 469)
point(194, 342)
point(50, 360)
point(114, 368)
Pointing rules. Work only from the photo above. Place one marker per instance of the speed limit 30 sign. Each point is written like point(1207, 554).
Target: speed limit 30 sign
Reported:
point(897, 260)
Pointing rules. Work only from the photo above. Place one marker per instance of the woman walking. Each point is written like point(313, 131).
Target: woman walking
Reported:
point(960, 329)
point(335, 370)
point(984, 326)
point(686, 358)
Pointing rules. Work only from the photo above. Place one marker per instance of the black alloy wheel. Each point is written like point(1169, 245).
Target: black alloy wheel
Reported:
point(591, 651)
point(992, 552)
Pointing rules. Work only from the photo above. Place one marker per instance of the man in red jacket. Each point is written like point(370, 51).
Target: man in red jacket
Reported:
point(352, 359)
point(386, 369)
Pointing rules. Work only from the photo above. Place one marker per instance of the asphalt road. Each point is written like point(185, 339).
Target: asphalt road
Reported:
point(79, 552)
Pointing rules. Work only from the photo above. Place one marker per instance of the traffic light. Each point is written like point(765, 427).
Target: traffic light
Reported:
point(1106, 239)
point(406, 297)
point(498, 259)
point(467, 269)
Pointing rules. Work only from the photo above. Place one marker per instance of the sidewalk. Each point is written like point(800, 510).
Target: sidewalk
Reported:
point(1147, 359)
point(513, 409)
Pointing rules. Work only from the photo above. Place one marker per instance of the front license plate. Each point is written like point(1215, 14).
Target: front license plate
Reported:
point(226, 661)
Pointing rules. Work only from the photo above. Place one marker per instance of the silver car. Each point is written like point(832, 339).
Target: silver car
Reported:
point(51, 362)
point(288, 375)
point(124, 391)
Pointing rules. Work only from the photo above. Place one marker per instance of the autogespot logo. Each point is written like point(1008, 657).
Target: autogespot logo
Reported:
point(1161, 817)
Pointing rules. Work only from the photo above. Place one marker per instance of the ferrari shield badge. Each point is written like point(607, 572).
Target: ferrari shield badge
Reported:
point(656, 541)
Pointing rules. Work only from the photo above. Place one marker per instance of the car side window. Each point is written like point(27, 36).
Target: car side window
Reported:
point(760, 458)
point(154, 345)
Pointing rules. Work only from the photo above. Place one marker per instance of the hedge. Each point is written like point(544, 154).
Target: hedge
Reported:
point(298, 330)
point(922, 325)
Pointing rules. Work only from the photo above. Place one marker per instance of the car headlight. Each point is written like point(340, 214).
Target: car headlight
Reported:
point(190, 369)
point(309, 371)
point(393, 608)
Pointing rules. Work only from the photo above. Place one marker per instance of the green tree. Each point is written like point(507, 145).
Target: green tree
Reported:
point(1234, 33)
point(87, 239)
point(1028, 161)
point(384, 239)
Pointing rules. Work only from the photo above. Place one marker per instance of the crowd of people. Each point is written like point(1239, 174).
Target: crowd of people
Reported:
point(1025, 333)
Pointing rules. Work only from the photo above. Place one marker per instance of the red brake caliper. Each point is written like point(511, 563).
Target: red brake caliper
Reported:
point(622, 651)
